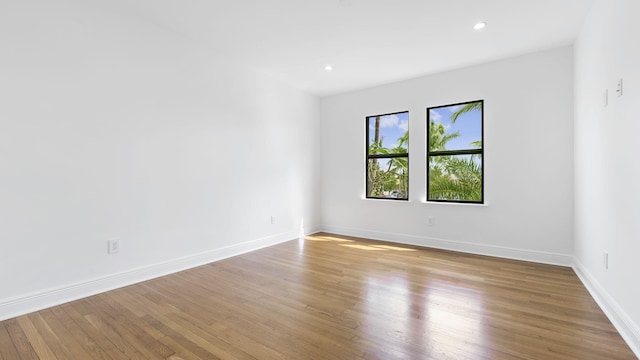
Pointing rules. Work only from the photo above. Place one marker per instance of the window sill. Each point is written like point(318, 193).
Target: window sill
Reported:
point(401, 201)
point(453, 203)
point(438, 203)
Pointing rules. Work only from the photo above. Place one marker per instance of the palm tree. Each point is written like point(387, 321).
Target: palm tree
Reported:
point(400, 165)
point(465, 109)
point(453, 177)
point(373, 172)
point(474, 106)
point(438, 138)
point(456, 179)
point(396, 174)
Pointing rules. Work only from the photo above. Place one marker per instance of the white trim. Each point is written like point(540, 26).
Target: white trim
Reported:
point(426, 202)
point(392, 200)
point(313, 229)
point(461, 246)
point(628, 329)
point(28, 303)
point(21, 305)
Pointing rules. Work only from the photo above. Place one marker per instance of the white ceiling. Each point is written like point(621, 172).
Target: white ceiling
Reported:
point(368, 42)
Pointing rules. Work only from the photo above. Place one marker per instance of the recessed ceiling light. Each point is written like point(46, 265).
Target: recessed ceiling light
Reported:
point(328, 67)
point(479, 26)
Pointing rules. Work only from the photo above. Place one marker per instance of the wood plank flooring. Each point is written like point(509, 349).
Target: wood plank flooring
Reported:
point(331, 297)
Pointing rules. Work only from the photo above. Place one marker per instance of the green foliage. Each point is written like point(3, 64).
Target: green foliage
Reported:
point(454, 177)
point(390, 179)
point(451, 177)
point(438, 138)
point(465, 109)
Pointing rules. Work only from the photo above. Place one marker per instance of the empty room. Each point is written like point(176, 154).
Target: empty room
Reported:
point(335, 179)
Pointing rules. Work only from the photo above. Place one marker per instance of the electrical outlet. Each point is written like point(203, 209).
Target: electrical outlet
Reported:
point(606, 260)
point(273, 219)
point(619, 88)
point(113, 246)
point(431, 221)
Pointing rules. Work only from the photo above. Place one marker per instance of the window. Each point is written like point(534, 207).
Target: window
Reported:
point(388, 156)
point(455, 152)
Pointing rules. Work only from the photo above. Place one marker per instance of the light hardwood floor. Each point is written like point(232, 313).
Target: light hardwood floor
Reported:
point(331, 297)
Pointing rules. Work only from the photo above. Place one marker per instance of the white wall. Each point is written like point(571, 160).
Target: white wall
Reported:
point(528, 161)
point(607, 170)
point(112, 127)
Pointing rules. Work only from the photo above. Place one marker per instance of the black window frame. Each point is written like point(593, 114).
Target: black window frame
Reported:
point(469, 151)
point(368, 157)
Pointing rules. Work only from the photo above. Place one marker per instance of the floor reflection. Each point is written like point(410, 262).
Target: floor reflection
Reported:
point(454, 311)
point(432, 316)
point(426, 310)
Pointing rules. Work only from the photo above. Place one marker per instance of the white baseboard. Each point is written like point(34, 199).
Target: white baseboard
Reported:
point(25, 304)
point(313, 229)
point(628, 329)
point(466, 247)
point(10, 308)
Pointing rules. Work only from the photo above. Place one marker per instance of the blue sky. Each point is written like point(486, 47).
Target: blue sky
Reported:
point(392, 127)
point(469, 125)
